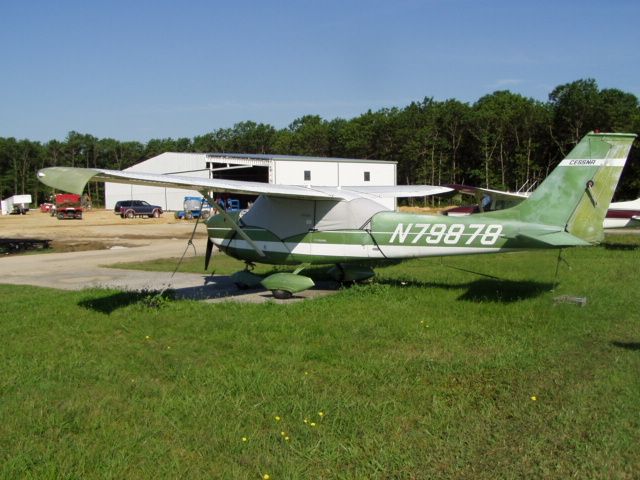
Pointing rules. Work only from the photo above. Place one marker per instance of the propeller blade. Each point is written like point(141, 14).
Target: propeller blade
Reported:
point(207, 256)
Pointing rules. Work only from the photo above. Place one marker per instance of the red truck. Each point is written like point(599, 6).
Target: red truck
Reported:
point(67, 206)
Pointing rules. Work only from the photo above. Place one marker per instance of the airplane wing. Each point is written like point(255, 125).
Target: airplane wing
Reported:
point(480, 192)
point(398, 191)
point(73, 180)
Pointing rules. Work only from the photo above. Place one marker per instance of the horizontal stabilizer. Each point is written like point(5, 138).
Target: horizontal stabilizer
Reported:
point(555, 239)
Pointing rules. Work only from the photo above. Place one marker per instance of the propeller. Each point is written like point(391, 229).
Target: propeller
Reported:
point(207, 256)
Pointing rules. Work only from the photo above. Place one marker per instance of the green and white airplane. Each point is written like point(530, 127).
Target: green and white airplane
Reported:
point(347, 227)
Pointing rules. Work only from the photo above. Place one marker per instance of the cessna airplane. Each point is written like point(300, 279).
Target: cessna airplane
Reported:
point(347, 227)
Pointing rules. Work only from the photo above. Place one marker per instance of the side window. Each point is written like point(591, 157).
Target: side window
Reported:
point(307, 175)
point(143, 203)
point(367, 176)
point(136, 203)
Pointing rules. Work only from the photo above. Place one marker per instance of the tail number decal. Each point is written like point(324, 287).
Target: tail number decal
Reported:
point(436, 233)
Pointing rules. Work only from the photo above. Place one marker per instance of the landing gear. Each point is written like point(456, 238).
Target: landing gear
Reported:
point(285, 285)
point(246, 279)
point(350, 274)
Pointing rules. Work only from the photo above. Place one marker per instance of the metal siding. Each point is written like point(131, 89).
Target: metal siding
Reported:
point(352, 174)
point(382, 174)
point(323, 174)
point(167, 198)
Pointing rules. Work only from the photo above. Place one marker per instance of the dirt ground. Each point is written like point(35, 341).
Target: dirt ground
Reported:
point(99, 229)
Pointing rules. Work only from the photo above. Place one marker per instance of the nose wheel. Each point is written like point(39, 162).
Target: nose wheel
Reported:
point(281, 294)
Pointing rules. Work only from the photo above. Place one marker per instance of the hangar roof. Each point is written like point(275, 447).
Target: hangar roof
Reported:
point(265, 159)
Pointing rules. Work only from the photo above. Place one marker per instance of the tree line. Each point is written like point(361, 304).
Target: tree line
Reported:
point(504, 141)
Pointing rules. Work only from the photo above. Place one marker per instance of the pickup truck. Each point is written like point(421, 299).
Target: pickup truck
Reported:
point(136, 208)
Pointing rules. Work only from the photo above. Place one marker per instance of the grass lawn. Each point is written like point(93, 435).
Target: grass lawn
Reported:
point(432, 371)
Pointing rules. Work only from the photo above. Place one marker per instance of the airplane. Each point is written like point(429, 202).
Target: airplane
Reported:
point(487, 200)
point(346, 227)
point(623, 214)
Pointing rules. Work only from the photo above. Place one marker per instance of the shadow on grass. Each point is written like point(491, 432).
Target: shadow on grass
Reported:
point(214, 287)
point(504, 291)
point(627, 345)
point(110, 303)
point(485, 290)
point(620, 246)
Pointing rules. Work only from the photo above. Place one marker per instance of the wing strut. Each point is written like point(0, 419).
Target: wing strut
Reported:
point(232, 222)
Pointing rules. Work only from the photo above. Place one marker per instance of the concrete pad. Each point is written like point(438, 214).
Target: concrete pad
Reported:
point(81, 270)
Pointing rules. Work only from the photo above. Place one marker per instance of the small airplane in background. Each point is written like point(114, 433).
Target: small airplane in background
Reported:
point(488, 200)
point(623, 214)
point(348, 228)
point(619, 214)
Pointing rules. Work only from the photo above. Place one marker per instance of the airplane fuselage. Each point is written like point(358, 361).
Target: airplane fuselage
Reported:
point(387, 236)
point(623, 214)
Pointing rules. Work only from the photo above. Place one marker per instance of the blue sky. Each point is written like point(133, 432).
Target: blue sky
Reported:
point(135, 70)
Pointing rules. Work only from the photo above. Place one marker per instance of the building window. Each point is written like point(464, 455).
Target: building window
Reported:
point(367, 176)
point(307, 175)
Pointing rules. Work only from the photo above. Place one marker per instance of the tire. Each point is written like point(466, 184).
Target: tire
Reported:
point(155, 214)
point(60, 216)
point(129, 214)
point(281, 294)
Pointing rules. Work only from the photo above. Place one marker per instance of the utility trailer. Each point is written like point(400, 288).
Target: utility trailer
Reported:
point(16, 205)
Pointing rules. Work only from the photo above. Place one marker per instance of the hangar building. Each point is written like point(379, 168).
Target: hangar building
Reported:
point(275, 169)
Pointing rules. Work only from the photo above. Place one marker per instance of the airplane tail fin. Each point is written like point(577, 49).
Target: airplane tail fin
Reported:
point(577, 194)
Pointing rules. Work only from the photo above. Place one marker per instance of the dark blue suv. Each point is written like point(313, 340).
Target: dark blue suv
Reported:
point(136, 208)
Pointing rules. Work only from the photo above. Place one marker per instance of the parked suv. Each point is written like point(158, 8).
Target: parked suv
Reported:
point(136, 208)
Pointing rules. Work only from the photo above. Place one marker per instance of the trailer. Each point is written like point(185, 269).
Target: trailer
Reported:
point(16, 205)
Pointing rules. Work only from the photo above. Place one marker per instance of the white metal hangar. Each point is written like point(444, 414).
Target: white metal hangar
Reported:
point(274, 169)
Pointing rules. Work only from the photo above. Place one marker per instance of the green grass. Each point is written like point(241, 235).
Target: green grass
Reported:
point(426, 373)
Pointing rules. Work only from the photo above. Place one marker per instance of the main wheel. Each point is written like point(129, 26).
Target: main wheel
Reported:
point(281, 294)
point(156, 214)
point(129, 214)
